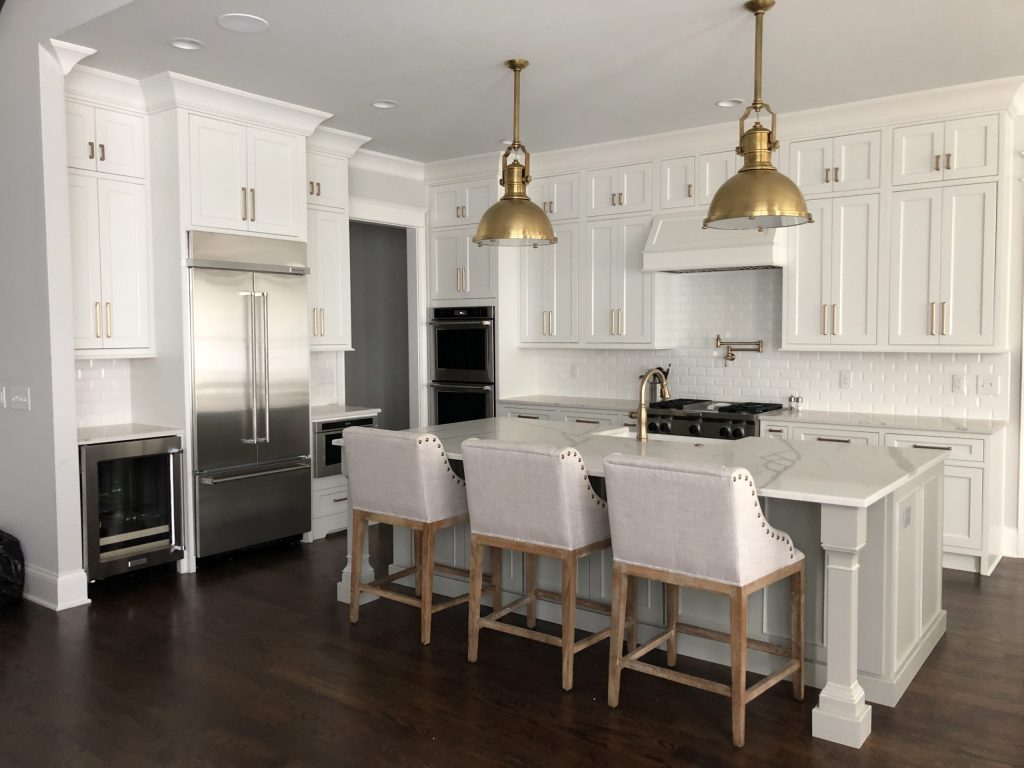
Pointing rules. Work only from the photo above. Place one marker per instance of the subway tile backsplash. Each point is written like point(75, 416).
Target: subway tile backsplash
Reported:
point(747, 306)
point(103, 392)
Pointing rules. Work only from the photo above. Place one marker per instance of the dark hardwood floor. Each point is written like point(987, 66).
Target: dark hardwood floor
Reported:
point(252, 662)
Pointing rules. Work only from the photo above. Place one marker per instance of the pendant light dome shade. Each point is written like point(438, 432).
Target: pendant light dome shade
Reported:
point(758, 196)
point(515, 219)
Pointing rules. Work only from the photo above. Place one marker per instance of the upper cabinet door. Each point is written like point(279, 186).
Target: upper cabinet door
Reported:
point(462, 202)
point(86, 287)
point(678, 182)
point(276, 172)
point(856, 161)
point(81, 136)
point(971, 147)
point(600, 284)
point(808, 283)
point(967, 281)
point(327, 180)
point(634, 192)
point(446, 205)
point(479, 268)
point(810, 165)
point(219, 181)
point(713, 170)
point(329, 250)
point(120, 143)
point(637, 286)
point(915, 232)
point(602, 192)
point(124, 252)
point(854, 270)
point(917, 153)
point(478, 197)
point(547, 290)
point(559, 196)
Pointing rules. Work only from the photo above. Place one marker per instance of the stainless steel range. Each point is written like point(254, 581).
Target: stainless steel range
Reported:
point(707, 418)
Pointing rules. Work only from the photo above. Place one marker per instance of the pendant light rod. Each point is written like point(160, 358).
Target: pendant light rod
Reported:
point(758, 38)
point(517, 66)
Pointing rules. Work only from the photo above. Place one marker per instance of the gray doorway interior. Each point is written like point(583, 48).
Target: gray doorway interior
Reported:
point(377, 370)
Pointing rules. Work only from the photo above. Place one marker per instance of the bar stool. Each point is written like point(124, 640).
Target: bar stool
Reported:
point(403, 479)
point(536, 500)
point(699, 526)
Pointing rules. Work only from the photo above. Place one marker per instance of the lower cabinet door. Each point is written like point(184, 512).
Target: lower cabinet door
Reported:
point(962, 506)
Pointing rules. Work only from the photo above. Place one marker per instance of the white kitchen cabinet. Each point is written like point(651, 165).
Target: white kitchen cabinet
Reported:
point(840, 164)
point(463, 202)
point(246, 178)
point(460, 269)
point(110, 264)
point(105, 140)
point(529, 413)
point(678, 182)
point(331, 507)
point(832, 275)
point(624, 189)
point(775, 431)
point(826, 435)
point(559, 196)
point(329, 280)
point(713, 170)
point(616, 296)
point(548, 279)
point(946, 151)
point(942, 266)
point(326, 180)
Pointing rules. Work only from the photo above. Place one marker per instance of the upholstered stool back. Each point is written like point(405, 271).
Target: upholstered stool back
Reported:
point(532, 494)
point(696, 519)
point(402, 474)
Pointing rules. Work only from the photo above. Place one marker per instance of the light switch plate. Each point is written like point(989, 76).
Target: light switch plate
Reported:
point(988, 384)
point(20, 399)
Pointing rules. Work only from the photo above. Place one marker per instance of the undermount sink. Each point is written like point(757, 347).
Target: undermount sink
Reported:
point(630, 432)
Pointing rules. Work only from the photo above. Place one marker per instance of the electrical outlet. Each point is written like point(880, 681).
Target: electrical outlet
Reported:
point(988, 384)
point(845, 380)
point(574, 371)
point(20, 399)
point(959, 384)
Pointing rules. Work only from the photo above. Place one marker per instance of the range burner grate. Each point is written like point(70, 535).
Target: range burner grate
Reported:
point(750, 408)
point(678, 403)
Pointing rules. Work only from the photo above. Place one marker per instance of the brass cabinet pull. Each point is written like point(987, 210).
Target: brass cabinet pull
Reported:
point(323, 321)
point(949, 162)
point(620, 199)
point(252, 204)
point(615, 331)
point(775, 430)
point(524, 416)
point(931, 321)
point(613, 198)
point(103, 152)
point(99, 332)
point(92, 150)
point(316, 324)
point(835, 325)
point(544, 323)
point(465, 280)
point(458, 212)
point(245, 203)
point(824, 319)
point(934, 447)
point(622, 329)
point(938, 160)
point(318, 189)
point(834, 440)
point(110, 323)
point(551, 321)
point(339, 499)
point(689, 190)
point(835, 174)
point(827, 172)
point(587, 421)
point(311, 187)
point(945, 320)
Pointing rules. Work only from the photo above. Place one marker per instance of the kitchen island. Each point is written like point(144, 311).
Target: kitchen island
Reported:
point(868, 519)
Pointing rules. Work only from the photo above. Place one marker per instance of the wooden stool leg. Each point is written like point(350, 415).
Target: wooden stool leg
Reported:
point(476, 583)
point(531, 590)
point(568, 618)
point(796, 629)
point(356, 566)
point(617, 633)
point(417, 558)
point(738, 644)
point(671, 618)
point(632, 613)
point(426, 574)
point(495, 579)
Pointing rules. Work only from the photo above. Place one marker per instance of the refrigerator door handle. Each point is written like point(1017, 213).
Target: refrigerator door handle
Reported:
point(252, 369)
point(217, 480)
point(266, 369)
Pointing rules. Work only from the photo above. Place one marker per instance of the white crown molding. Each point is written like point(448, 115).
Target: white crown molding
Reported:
point(99, 87)
point(69, 54)
point(335, 142)
point(170, 90)
point(390, 165)
point(1017, 107)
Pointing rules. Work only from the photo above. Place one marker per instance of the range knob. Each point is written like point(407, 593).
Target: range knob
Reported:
point(724, 432)
point(664, 428)
point(652, 426)
point(695, 429)
point(738, 433)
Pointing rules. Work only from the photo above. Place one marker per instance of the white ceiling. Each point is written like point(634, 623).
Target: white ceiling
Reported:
point(600, 69)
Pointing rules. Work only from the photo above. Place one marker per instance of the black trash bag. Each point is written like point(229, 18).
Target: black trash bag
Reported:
point(12, 569)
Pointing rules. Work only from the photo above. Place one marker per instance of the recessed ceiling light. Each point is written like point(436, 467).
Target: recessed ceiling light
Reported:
point(187, 43)
point(730, 103)
point(385, 104)
point(245, 23)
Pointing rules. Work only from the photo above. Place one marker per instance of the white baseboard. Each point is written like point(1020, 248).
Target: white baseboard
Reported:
point(1011, 542)
point(56, 592)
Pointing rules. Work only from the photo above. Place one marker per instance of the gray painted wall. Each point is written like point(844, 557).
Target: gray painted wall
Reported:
point(377, 371)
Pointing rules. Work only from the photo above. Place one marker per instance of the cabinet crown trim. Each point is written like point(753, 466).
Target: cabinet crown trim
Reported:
point(334, 142)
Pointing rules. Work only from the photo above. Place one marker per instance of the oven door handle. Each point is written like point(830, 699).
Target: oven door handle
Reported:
point(462, 323)
point(462, 387)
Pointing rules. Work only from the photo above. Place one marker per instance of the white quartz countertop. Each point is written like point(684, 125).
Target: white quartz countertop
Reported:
point(115, 433)
point(340, 411)
point(568, 401)
point(833, 473)
point(882, 421)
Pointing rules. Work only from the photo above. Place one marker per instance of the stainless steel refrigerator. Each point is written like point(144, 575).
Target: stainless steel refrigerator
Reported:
point(250, 390)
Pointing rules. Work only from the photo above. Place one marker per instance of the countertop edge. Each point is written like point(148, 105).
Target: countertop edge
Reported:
point(118, 433)
point(884, 421)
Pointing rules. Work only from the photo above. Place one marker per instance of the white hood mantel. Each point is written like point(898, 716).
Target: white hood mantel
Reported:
point(678, 243)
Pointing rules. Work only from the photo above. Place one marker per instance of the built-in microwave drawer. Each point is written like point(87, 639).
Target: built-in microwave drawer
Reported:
point(962, 448)
point(832, 435)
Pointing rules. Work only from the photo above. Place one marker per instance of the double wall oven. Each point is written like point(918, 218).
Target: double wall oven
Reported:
point(463, 364)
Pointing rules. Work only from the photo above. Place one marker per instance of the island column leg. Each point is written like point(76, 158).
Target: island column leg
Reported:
point(344, 588)
point(842, 715)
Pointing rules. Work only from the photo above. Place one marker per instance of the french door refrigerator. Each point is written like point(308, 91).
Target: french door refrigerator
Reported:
point(250, 389)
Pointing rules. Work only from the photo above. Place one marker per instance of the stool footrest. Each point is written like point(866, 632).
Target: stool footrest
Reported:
point(676, 676)
point(723, 637)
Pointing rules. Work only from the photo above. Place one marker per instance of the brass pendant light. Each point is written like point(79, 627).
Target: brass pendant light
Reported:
point(758, 196)
point(515, 219)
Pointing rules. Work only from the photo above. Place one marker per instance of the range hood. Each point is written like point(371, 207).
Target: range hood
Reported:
point(677, 243)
